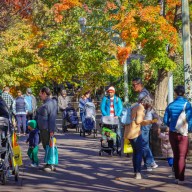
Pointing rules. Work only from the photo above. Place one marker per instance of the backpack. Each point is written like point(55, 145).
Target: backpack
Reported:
point(125, 117)
point(28, 98)
point(88, 123)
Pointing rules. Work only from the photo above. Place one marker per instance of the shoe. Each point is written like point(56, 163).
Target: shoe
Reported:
point(176, 181)
point(34, 165)
point(149, 169)
point(138, 176)
point(154, 166)
point(49, 168)
point(171, 176)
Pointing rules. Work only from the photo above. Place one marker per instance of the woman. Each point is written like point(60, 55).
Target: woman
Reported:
point(179, 142)
point(133, 131)
point(82, 101)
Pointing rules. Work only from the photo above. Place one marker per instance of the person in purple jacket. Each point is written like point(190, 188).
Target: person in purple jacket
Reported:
point(33, 141)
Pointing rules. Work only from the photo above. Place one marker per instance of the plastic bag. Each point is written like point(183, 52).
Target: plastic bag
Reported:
point(127, 146)
point(17, 157)
point(51, 153)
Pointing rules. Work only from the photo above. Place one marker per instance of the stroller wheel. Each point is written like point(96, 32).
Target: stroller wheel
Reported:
point(16, 173)
point(83, 133)
point(111, 153)
point(3, 178)
point(80, 133)
point(100, 153)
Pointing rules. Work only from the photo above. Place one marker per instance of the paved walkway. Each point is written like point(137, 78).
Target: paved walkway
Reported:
point(82, 169)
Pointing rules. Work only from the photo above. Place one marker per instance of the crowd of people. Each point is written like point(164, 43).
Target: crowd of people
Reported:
point(39, 124)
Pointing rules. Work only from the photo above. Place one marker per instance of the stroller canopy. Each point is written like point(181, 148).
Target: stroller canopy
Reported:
point(90, 110)
point(109, 120)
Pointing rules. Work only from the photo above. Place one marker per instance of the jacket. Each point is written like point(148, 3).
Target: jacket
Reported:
point(105, 106)
point(165, 145)
point(33, 138)
point(20, 105)
point(46, 115)
point(63, 102)
point(173, 111)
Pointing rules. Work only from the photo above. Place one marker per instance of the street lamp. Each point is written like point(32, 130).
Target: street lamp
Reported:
point(82, 21)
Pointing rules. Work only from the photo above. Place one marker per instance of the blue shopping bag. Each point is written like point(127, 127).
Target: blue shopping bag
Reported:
point(51, 153)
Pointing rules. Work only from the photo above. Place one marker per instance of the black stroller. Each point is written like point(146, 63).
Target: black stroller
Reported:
point(71, 118)
point(110, 141)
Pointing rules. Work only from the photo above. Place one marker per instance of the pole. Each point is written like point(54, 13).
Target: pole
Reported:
point(170, 88)
point(186, 49)
point(126, 98)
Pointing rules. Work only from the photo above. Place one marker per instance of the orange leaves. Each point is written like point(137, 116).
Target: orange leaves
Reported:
point(123, 53)
point(173, 3)
point(111, 6)
point(63, 6)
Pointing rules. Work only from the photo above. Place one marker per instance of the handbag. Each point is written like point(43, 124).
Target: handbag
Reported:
point(51, 153)
point(127, 146)
point(182, 125)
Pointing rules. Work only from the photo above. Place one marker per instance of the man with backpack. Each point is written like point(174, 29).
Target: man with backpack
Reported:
point(149, 162)
point(111, 105)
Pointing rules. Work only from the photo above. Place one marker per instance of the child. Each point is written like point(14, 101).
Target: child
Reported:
point(166, 147)
point(33, 141)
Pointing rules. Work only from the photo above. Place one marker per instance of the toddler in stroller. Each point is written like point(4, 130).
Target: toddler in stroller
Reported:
point(70, 118)
point(89, 120)
point(110, 141)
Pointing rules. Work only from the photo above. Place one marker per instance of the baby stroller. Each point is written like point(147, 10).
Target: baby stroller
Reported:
point(89, 120)
point(70, 115)
point(110, 139)
point(6, 152)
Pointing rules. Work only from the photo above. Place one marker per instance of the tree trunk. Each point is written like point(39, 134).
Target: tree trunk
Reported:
point(161, 92)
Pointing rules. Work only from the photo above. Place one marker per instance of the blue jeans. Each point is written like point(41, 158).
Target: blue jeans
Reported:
point(147, 154)
point(21, 121)
point(137, 153)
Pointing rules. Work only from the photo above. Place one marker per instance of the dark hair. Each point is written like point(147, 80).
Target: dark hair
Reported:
point(179, 90)
point(88, 92)
point(147, 100)
point(138, 80)
point(46, 90)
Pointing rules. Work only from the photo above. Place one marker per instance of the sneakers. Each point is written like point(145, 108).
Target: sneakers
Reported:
point(138, 176)
point(49, 168)
point(154, 165)
point(149, 169)
point(34, 165)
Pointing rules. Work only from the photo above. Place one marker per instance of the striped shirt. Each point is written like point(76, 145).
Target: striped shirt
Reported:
point(112, 111)
point(8, 99)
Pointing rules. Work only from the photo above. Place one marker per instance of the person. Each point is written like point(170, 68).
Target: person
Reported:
point(111, 105)
point(133, 132)
point(63, 102)
point(149, 162)
point(46, 120)
point(20, 109)
point(8, 98)
point(166, 149)
point(82, 101)
point(32, 104)
point(179, 142)
point(33, 141)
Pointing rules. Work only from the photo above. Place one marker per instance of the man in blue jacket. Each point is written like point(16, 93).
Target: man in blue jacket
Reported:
point(111, 105)
point(46, 120)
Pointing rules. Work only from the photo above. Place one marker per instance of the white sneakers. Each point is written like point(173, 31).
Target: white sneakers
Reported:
point(138, 176)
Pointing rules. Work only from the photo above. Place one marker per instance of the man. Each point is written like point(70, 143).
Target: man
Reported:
point(111, 105)
point(46, 120)
point(20, 109)
point(32, 104)
point(8, 98)
point(62, 104)
point(149, 162)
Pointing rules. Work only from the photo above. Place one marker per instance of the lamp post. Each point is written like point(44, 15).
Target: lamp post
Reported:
point(117, 39)
point(187, 49)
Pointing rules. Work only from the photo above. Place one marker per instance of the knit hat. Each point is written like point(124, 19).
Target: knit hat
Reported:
point(111, 89)
point(32, 124)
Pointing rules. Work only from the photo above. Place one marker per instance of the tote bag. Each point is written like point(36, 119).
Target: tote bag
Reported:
point(182, 125)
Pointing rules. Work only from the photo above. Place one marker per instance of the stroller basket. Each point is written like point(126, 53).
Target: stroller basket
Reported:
point(108, 120)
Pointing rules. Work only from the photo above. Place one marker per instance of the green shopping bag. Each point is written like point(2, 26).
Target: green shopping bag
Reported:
point(51, 153)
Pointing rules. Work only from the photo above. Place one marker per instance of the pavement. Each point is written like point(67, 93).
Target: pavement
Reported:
point(81, 169)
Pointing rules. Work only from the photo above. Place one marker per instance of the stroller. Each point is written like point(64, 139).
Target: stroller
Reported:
point(6, 152)
point(110, 139)
point(89, 120)
point(70, 115)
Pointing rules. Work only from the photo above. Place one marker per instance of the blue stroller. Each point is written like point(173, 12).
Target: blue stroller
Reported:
point(89, 120)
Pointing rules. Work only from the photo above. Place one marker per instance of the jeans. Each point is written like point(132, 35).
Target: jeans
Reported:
point(137, 153)
point(179, 145)
point(147, 154)
point(21, 120)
